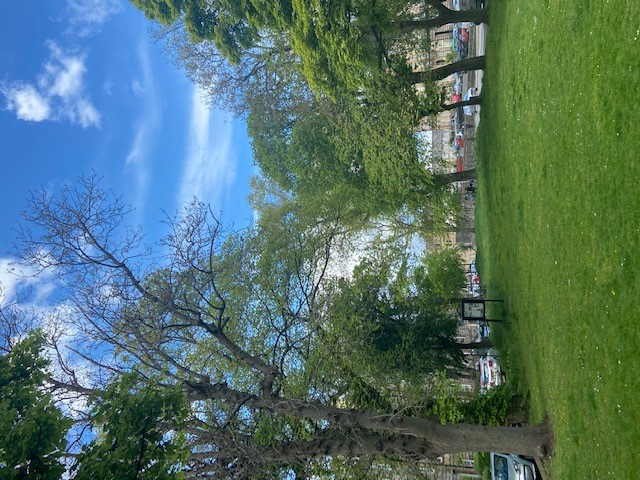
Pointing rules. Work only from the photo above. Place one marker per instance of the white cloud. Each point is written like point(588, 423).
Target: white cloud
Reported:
point(63, 75)
point(210, 166)
point(27, 102)
point(17, 279)
point(58, 95)
point(86, 113)
point(147, 126)
point(87, 16)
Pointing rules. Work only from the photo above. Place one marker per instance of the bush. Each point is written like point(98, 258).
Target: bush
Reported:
point(492, 408)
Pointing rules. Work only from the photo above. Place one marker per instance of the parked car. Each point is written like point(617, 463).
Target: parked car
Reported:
point(470, 109)
point(460, 33)
point(511, 467)
point(463, 33)
point(490, 372)
point(462, 50)
point(459, 117)
point(458, 81)
point(484, 331)
point(461, 5)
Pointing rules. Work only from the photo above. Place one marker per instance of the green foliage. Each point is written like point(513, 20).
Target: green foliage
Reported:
point(32, 428)
point(495, 406)
point(442, 273)
point(272, 431)
point(226, 23)
point(375, 129)
point(131, 443)
point(163, 11)
point(368, 468)
point(482, 463)
point(359, 152)
point(328, 44)
point(447, 407)
point(390, 322)
point(491, 408)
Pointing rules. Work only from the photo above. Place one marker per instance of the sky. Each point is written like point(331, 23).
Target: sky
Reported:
point(84, 88)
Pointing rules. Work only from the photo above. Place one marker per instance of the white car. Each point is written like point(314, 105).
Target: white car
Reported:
point(470, 109)
point(461, 5)
point(511, 467)
point(490, 373)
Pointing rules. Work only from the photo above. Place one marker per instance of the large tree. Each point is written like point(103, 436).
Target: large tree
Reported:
point(229, 325)
point(315, 147)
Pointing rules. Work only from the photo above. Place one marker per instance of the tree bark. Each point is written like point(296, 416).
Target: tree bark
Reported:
point(533, 441)
point(453, 177)
point(445, 17)
point(473, 63)
point(477, 100)
point(356, 444)
point(486, 343)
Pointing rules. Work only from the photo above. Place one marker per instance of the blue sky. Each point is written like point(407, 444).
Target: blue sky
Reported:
point(83, 87)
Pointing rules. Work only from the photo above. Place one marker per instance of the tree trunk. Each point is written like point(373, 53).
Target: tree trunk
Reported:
point(453, 177)
point(458, 229)
point(486, 343)
point(443, 18)
point(356, 444)
point(473, 63)
point(530, 441)
point(463, 103)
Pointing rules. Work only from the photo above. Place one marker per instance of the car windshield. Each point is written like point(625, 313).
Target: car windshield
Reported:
point(500, 468)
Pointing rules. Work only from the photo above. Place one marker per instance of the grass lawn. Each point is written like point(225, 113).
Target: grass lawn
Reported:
point(558, 220)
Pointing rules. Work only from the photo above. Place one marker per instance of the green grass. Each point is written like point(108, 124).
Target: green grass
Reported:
point(558, 220)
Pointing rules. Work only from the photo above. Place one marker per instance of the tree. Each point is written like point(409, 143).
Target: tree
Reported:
point(32, 429)
point(228, 324)
point(364, 145)
point(471, 63)
point(269, 70)
point(133, 442)
point(394, 320)
point(477, 100)
point(443, 16)
point(224, 22)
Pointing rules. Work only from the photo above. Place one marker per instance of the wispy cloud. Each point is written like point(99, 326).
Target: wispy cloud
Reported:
point(87, 16)
point(210, 165)
point(146, 127)
point(17, 279)
point(57, 95)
